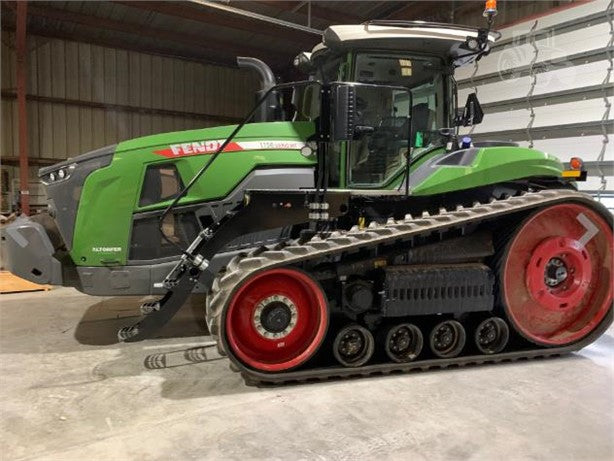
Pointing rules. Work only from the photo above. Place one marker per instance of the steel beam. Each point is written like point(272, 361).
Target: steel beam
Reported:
point(414, 10)
point(213, 18)
point(124, 108)
point(327, 14)
point(114, 42)
point(250, 15)
point(549, 99)
point(34, 161)
point(548, 132)
point(551, 31)
point(600, 168)
point(577, 59)
point(22, 114)
point(215, 49)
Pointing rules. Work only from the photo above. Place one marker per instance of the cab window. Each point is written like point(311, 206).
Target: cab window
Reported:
point(161, 182)
point(379, 154)
point(423, 76)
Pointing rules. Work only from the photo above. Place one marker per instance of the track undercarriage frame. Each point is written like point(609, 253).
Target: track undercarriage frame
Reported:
point(318, 254)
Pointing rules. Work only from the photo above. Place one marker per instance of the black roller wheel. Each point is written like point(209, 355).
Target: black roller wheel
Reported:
point(447, 339)
point(491, 335)
point(403, 342)
point(353, 346)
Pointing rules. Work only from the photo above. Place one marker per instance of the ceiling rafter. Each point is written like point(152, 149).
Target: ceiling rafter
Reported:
point(214, 50)
point(317, 11)
point(414, 10)
point(112, 42)
point(220, 18)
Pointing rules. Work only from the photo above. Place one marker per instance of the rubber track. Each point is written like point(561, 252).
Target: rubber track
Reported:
point(242, 267)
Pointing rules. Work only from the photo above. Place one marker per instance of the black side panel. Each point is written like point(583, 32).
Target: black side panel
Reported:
point(425, 290)
point(147, 242)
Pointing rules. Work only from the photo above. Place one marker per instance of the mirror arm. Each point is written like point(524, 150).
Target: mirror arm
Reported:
point(361, 130)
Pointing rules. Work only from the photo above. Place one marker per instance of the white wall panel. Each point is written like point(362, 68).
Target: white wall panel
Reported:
point(549, 20)
point(587, 148)
point(551, 115)
point(566, 91)
point(561, 79)
point(584, 39)
point(549, 49)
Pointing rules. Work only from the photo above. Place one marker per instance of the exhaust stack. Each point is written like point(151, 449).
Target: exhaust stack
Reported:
point(267, 111)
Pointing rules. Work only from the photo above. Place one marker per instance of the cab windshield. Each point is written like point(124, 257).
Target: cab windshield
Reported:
point(369, 165)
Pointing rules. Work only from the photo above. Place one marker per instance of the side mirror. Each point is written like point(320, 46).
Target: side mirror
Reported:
point(343, 112)
point(351, 116)
point(345, 115)
point(472, 113)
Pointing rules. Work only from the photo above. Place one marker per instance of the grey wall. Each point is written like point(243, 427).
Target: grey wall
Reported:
point(197, 95)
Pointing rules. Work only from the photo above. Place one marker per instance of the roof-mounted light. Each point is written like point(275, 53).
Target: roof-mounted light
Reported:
point(490, 9)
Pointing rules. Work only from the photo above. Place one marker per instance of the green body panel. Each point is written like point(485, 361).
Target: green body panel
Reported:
point(110, 195)
point(491, 165)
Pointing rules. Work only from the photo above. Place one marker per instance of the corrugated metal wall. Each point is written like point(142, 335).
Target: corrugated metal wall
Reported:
point(548, 84)
point(86, 96)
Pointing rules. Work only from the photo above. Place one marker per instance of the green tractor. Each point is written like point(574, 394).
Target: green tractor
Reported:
point(344, 228)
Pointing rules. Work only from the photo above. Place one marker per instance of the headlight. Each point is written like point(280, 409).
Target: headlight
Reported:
point(59, 175)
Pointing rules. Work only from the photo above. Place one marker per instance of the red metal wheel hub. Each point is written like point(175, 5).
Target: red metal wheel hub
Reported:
point(575, 265)
point(277, 320)
point(557, 274)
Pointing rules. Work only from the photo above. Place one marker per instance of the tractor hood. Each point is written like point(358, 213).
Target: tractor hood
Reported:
point(206, 141)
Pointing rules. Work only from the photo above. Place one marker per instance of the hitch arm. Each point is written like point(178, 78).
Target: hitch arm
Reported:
point(262, 210)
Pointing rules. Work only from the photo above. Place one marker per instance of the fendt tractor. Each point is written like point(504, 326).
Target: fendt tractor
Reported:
point(344, 228)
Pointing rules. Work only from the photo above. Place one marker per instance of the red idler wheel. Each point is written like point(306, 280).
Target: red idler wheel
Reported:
point(557, 274)
point(277, 320)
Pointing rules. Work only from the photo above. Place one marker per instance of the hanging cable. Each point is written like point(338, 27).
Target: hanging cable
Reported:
point(533, 76)
point(608, 105)
point(212, 159)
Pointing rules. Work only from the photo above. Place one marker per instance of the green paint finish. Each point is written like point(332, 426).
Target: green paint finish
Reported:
point(491, 165)
point(110, 195)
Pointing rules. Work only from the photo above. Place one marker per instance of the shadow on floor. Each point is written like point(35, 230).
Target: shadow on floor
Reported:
point(99, 324)
point(206, 380)
point(188, 369)
point(182, 353)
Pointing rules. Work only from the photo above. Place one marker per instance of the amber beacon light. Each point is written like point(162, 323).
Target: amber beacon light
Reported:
point(490, 8)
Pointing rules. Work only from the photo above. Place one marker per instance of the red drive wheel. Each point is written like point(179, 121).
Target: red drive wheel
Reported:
point(557, 274)
point(277, 320)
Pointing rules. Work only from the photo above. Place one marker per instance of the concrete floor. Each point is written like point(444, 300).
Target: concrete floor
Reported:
point(68, 391)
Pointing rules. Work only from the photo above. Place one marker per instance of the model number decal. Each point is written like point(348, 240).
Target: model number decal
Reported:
point(211, 146)
point(106, 249)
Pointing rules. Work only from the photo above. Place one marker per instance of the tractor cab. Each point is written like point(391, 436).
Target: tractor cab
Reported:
point(402, 73)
